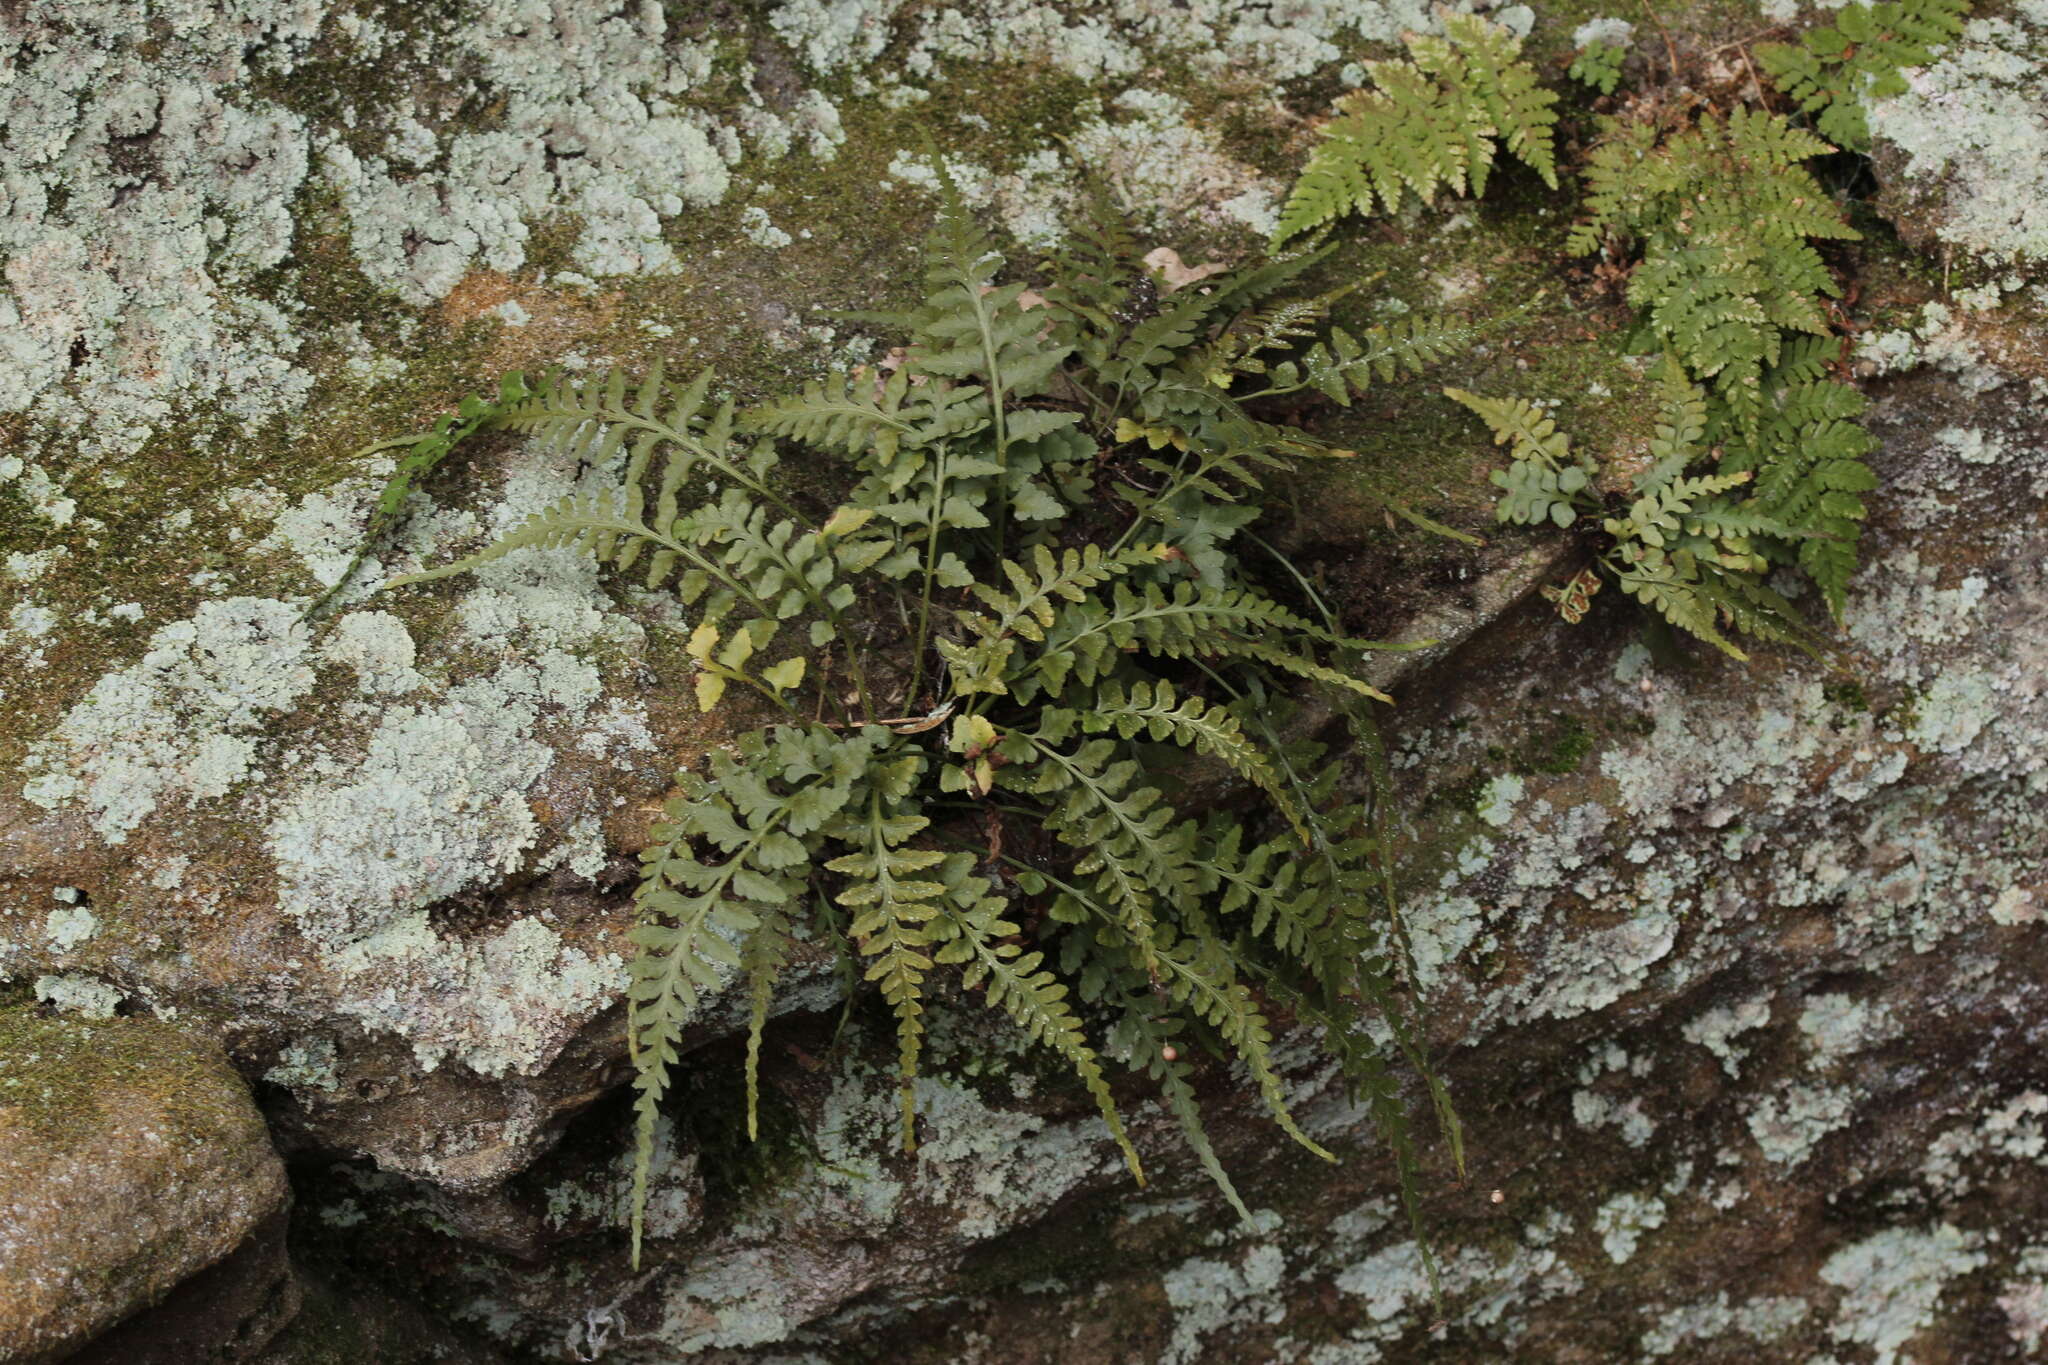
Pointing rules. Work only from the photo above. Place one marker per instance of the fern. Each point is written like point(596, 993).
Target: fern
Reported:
point(423, 453)
point(890, 908)
point(1012, 605)
point(1836, 69)
point(1686, 545)
point(1723, 212)
point(1598, 65)
point(1431, 123)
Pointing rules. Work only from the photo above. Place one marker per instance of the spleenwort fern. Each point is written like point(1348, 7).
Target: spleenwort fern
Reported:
point(1434, 122)
point(1012, 612)
point(1722, 213)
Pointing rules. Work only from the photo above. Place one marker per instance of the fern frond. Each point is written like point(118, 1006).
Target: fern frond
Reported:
point(1531, 493)
point(1599, 65)
point(1190, 620)
point(1837, 67)
point(1679, 600)
point(1430, 123)
point(763, 957)
point(1130, 844)
point(1724, 211)
point(592, 421)
point(1346, 366)
point(892, 907)
point(595, 523)
point(1155, 711)
point(1527, 430)
point(424, 453)
point(1681, 426)
point(692, 914)
point(841, 412)
point(1153, 1046)
point(972, 932)
point(1197, 973)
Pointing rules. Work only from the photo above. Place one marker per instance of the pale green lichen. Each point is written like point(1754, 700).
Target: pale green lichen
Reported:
point(183, 723)
point(76, 993)
point(1622, 1221)
point(146, 274)
point(1891, 1284)
point(1974, 133)
point(2025, 1299)
point(1715, 1029)
point(1837, 1025)
point(1789, 1124)
point(1764, 1320)
point(68, 926)
point(306, 1066)
point(1209, 1295)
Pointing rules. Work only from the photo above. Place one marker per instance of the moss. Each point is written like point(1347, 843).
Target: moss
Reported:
point(57, 1075)
point(1847, 695)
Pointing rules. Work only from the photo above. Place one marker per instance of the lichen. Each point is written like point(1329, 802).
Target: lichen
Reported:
point(1973, 132)
point(184, 722)
point(88, 997)
point(1891, 1284)
point(1622, 1221)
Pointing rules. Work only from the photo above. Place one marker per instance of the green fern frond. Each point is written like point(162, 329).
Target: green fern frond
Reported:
point(892, 907)
point(1089, 638)
point(971, 931)
point(693, 914)
point(1529, 432)
point(593, 421)
point(1198, 974)
point(1599, 65)
point(842, 412)
point(1154, 710)
point(763, 958)
point(1723, 211)
point(1531, 493)
point(1131, 846)
point(1838, 68)
point(595, 523)
point(424, 452)
point(1153, 1045)
point(1681, 426)
point(1431, 123)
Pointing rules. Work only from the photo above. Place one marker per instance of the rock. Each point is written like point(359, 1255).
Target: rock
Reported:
point(385, 854)
point(1963, 154)
point(133, 1167)
point(1735, 973)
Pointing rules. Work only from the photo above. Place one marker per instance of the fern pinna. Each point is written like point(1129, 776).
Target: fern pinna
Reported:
point(1434, 121)
point(1030, 590)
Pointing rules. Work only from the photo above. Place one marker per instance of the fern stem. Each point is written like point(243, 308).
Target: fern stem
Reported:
point(931, 568)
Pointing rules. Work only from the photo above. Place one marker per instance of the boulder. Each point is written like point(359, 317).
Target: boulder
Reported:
point(133, 1167)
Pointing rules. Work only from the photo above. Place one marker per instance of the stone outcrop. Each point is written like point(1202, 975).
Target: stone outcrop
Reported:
point(131, 1162)
point(1735, 971)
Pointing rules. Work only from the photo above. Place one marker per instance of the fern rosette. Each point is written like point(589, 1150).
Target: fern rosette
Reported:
point(979, 664)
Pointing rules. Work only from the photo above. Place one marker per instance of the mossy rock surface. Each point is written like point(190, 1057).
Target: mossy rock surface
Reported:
point(131, 1158)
